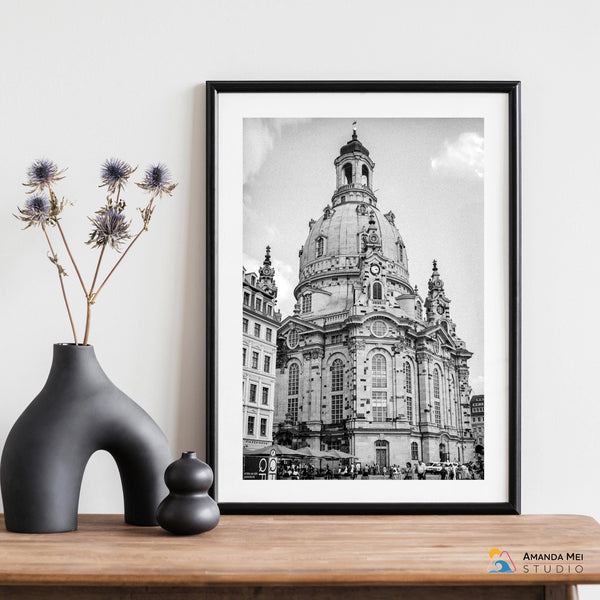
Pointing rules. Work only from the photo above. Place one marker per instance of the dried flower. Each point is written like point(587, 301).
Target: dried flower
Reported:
point(37, 211)
point(115, 173)
point(41, 173)
point(157, 180)
point(109, 227)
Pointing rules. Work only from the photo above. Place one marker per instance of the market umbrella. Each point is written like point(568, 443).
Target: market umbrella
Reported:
point(266, 451)
point(340, 454)
point(307, 451)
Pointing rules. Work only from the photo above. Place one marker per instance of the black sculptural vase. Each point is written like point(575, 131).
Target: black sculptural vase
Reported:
point(188, 509)
point(78, 412)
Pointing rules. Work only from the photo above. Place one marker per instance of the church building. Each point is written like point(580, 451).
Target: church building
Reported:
point(365, 364)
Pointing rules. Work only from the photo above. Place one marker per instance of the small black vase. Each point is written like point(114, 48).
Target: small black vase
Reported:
point(78, 412)
point(188, 509)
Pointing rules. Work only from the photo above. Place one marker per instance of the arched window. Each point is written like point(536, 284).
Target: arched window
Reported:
point(292, 338)
point(337, 386)
point(443, 453)
point(408, 377)
point(293, 378)
point(320, 247)
point(379, 376)
point(379, 385)
point(306, 303)
point(414, 451)
point(365, 175)
point(293, 381)
point(377, 291)
point(347, 169)
point(382, 453)
point(419, 311)
point(337, 376)
point(436, 383)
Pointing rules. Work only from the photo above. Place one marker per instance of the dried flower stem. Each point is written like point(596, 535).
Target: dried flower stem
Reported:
point(64, 239)
point(62, 285)
point(133, 241)
point(97, 270)
point(90, 301)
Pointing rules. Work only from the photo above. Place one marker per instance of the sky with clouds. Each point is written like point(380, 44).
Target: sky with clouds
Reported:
point(429, 172)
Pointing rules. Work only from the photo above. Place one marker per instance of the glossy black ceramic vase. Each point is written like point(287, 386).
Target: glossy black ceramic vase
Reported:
point(78, 412)
point(188, 509)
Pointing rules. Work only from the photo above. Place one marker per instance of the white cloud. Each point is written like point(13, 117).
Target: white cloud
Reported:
point(462, 157)
point(477, 385)
point(259, 138)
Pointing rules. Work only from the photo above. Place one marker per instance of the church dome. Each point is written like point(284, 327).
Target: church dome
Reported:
point(353, 145)
point(336, 240)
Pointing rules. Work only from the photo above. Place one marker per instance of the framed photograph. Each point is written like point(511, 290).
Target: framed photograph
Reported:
point(363, 296)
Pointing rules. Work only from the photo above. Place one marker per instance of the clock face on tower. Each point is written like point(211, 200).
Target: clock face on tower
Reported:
point(375, 269)
point(440, 310)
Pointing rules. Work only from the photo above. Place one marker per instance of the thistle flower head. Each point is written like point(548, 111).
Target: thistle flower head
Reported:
point(41, 173)
point(37, 211)
point(109, 226)
point(115, 173)
point(157, 180)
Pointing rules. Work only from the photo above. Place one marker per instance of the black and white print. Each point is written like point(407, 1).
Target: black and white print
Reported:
point(362, 299)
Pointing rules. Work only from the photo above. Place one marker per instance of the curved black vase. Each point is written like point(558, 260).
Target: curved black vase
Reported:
point(188, 509)
point(78, 412)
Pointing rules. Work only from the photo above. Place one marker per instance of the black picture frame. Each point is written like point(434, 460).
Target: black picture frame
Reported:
point(512, 90)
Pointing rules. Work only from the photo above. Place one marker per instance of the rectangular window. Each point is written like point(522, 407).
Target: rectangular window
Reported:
point(337, 408)
point(265, 395)
point(409, 409)
point(379, 378)
point(414, 450)
point(379, 406)
point(255, 360)
point(336, 339)
point(256, 330)
point(438, 413)
point(269, 309)
point(250, 425)
point(293, 409)
point(244, 352)
point(246, 299)
point(269, 334)
point(267, 364)
point(263, 427)
point(252, 392)
point(337, 376)
point(258, 304)
point(306, 303)
point(245, 325)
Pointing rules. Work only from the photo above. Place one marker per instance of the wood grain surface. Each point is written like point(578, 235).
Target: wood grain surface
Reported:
point(249, 550)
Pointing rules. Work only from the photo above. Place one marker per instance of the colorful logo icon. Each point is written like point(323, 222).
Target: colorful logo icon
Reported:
point(501, 562)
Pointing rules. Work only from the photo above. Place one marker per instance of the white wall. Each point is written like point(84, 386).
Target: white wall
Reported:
point(82, 81)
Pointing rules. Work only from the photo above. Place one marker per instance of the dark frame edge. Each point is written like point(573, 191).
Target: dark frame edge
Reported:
point(513, 89)
point(424, 508)
point(514, 376)
point(211, 306)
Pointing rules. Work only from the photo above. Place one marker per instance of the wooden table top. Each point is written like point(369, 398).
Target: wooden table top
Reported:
point(305, 550)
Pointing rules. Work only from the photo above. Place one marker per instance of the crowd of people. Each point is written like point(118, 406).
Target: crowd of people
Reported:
point(297, 469)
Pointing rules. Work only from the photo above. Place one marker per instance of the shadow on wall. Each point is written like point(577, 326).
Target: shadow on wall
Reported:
point(190, 414)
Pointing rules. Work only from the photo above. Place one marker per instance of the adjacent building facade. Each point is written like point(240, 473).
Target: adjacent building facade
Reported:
point(260, 321)
point(365, 364)
point(478, 422)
